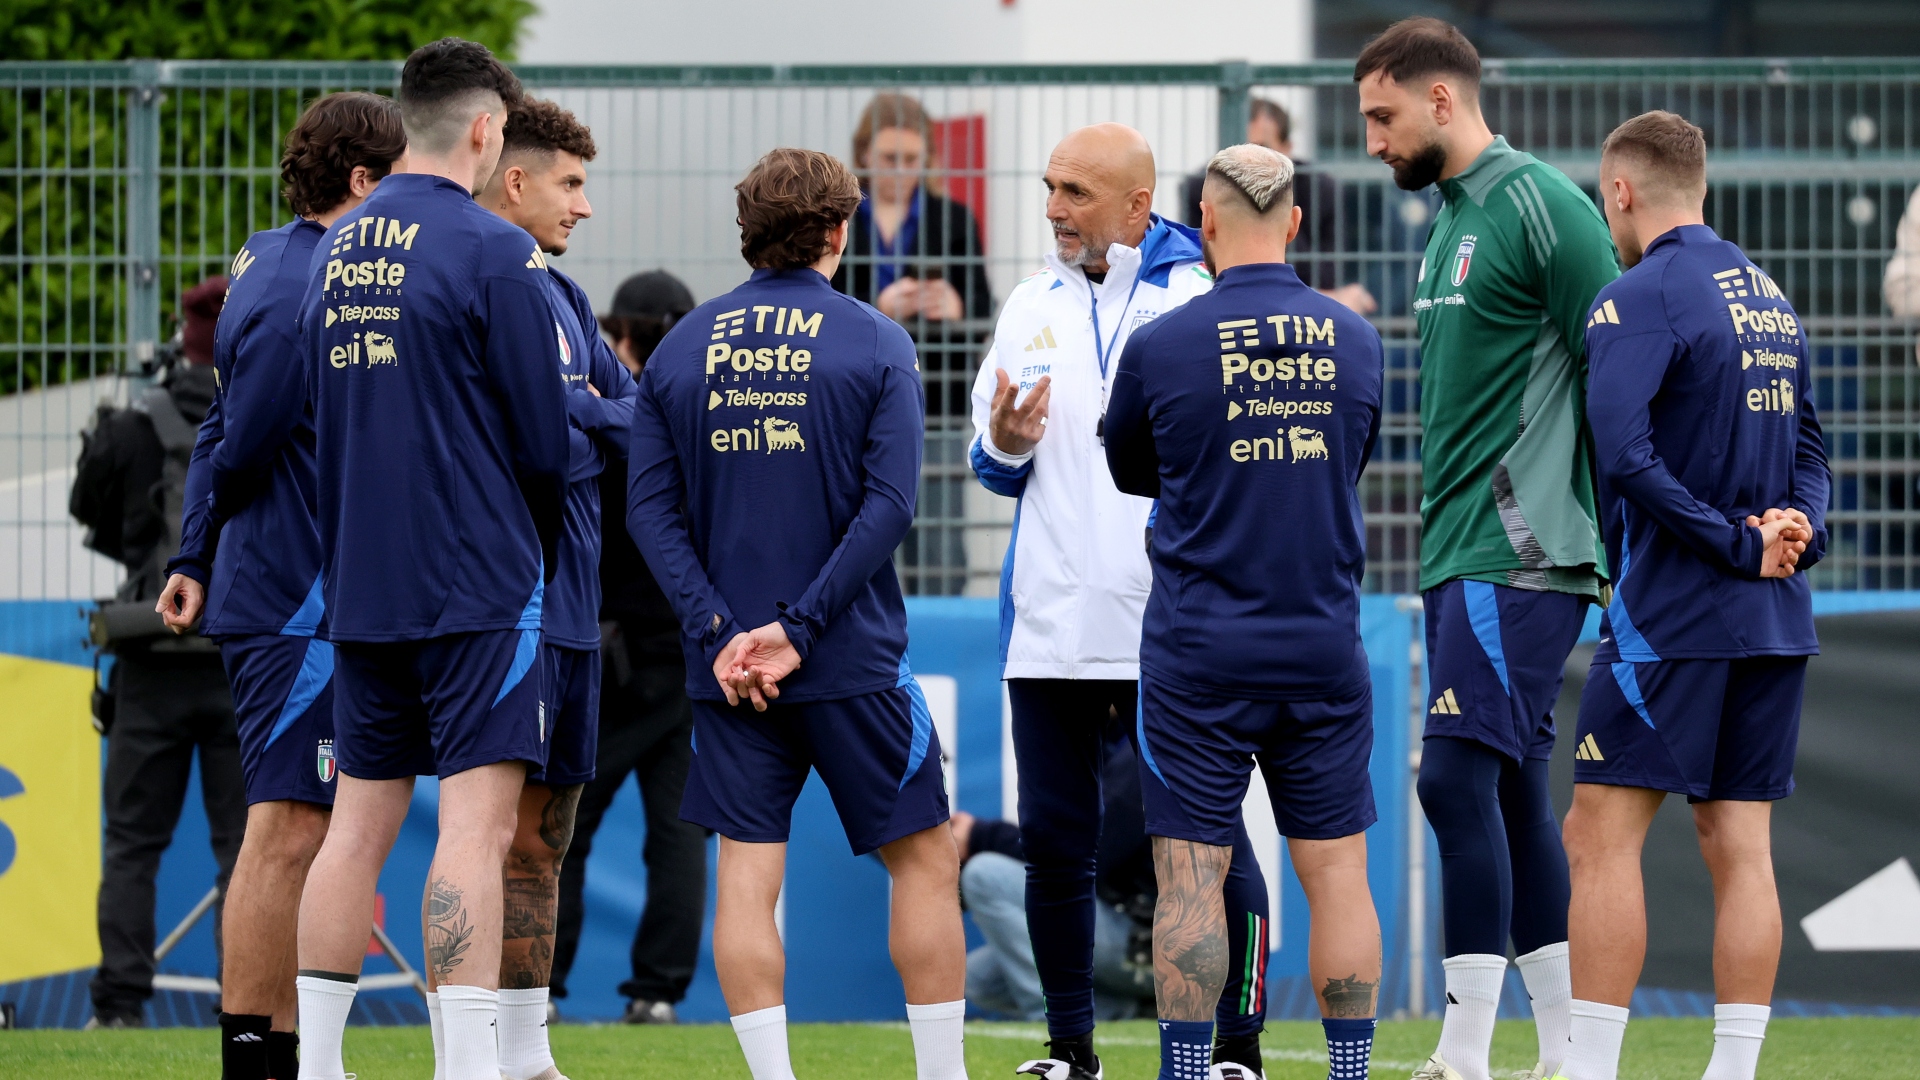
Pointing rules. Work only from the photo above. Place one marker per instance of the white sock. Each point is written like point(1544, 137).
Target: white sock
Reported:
point(524, 1053)
point(763, 1038)
point(1594, 1033)
point(469, 1015)
point(1550, 985)
point(939, 1040)
point(1738, 1031)
point(324, 1005)
point(439, 1033)
point(1473, 1000)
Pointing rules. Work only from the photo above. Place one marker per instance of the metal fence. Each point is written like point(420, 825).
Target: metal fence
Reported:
point(122, 185)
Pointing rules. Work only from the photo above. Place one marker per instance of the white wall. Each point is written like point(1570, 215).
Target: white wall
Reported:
point(917, 31)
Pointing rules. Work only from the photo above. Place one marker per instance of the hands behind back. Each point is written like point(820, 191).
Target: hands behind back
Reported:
point(752, 665)
point(1784, 534)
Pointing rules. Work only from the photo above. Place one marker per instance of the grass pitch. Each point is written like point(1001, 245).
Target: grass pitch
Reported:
point(1656, 1049)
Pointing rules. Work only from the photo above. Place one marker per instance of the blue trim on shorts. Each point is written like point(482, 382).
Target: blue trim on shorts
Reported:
point(1629, 684)
point(307, 619)
point(1140, 729)
point(1483, 614)
point(1626, 637)
point(316, 671)
point(528, 650)
point(922, 723)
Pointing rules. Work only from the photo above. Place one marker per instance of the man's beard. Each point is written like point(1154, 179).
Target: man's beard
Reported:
point(1422, 168)
point(1091, 250)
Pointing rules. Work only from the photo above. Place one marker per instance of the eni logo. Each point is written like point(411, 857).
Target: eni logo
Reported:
point(782, 435)
point(10, 786)
point(1306, 443)
point(380, 349)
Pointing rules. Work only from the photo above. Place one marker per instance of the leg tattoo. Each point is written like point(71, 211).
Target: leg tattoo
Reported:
point(531, 895)
point(1349, 997)
point(1189, 928)
point(449, 932)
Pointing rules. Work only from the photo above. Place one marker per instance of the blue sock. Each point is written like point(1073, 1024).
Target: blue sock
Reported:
point(1186, 1049)
point(1349, 1047)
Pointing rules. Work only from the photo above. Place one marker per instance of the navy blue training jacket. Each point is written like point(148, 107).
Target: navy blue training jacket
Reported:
point(246, 529)
point(774, 468)
point(1250, 412)
point(599, 428)
point(441, 433)
point(1702, 413)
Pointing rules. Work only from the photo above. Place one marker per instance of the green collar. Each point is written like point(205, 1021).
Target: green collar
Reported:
point(1477, 179)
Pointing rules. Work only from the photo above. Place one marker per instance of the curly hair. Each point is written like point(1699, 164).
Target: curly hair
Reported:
point(790, 203)
point(337, 133)
point(542, 127)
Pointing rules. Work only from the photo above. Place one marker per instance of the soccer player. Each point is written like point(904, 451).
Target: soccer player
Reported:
point(1251, 651)
point(1510, 550)
point(250, 561)
point(540, 185)
point(1713, 483)
point(428, 335)
point(1075, 578)
point(773, 471)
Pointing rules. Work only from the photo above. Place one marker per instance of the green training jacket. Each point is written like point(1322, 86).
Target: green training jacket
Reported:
point(1515, 259)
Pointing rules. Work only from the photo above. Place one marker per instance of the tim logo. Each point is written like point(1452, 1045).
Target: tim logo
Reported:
point(323, 762)
point(1306, 443)
point(1462, 260)
point(782, 434)
point(380, 349)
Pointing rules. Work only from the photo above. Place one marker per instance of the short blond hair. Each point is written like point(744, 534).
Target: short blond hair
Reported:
point(1669, 154)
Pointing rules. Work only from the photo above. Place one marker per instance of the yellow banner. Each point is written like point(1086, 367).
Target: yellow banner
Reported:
point(49, 819)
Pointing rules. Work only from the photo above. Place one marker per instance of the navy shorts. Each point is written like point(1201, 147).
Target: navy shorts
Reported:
point(1197, 751)
point(573, 716)
point(283, 701)
point(440, 706)
point(877, 754)
point(1496, 657)
point(1706, 729)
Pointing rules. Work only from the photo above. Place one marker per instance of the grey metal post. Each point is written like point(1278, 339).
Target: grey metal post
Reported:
point(1236, 79)
point(143, 213)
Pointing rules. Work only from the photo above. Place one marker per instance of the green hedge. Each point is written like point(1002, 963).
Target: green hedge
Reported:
point(250, 29)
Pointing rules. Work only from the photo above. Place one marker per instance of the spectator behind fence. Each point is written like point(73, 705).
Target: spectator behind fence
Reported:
point(167, 697)
point(1901, 286)
point(646, 725)
point(1317, 195)
point(914, 253)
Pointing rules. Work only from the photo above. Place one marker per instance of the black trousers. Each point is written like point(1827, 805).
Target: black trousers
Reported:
point(166, 708)
point(646, 729)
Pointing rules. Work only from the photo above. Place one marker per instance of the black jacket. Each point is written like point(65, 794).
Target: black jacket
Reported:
point(947, 245)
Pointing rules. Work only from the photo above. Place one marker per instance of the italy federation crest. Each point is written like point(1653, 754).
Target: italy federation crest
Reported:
point(1462, 260)
point(323, 762)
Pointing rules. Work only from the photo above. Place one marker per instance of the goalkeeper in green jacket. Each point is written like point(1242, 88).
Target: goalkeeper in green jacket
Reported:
point(1510, 545)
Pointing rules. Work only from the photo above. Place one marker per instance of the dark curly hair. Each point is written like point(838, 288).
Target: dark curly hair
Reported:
point(790, 203)
point(542, 127)
point(335, 134)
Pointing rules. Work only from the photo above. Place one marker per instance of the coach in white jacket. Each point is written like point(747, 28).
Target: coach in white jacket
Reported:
point(1075, 581)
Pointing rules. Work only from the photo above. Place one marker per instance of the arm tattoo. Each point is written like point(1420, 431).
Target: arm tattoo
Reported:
point(449, 932)
point(1189, 928)
point(1349, 997)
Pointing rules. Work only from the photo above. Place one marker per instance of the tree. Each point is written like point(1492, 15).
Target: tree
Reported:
point(250, 29)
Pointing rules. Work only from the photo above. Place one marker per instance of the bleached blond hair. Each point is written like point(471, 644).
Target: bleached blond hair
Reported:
point(1263, 177)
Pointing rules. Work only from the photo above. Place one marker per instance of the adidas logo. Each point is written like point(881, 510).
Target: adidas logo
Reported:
point(1445, 705)
point(1041, 340)
point(539, 260)
point(1588, 750)
point(247, 1037)
point(1605, 313)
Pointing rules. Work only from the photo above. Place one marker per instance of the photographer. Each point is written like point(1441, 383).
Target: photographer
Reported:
point(167, 696)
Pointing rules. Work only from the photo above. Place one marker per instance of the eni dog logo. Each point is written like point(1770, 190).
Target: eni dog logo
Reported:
point(782, 434)
point(1306, 443)
point(1463, 260)
point(380, 349)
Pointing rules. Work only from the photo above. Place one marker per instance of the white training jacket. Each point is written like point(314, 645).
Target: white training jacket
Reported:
point(1075, 580)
